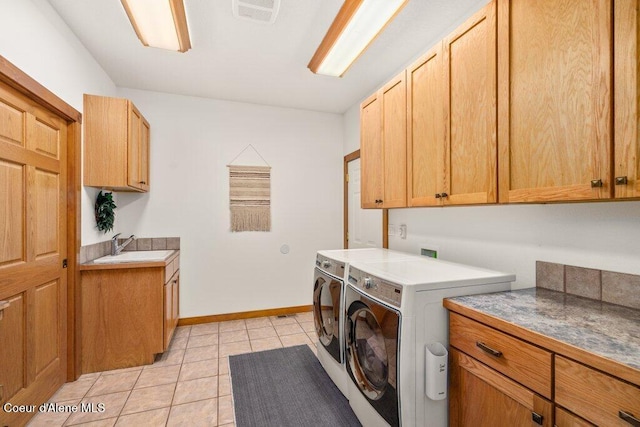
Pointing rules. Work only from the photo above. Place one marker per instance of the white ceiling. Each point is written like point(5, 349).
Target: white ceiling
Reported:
point(246, 61)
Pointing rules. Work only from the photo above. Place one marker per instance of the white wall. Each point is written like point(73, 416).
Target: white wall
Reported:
point(36, 40)
point(192, 141)
point(351, 129)
point(512, 237)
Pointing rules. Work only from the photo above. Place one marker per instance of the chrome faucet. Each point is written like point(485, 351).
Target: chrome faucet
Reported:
point(116, 248)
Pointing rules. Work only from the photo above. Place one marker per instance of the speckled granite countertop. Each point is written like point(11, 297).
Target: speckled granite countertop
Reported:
point(604, 329)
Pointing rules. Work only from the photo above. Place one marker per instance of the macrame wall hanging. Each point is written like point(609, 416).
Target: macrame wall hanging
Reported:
point(250, 195)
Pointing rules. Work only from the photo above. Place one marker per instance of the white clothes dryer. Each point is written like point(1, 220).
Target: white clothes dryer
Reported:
point(328, 304)
point(393, 311)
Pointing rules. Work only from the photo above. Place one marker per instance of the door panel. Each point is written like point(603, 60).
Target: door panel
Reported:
point(33, 221)
point(11, 126)
point(371, 152)
point(13, 336)
point(47, 319)
point(11, 215)
point(47, 194)
point(425, 129)
point(556, 78)
point(364, 224)
point(135, 124)
point(43, 138)
point(470, 109)
point(394, 134)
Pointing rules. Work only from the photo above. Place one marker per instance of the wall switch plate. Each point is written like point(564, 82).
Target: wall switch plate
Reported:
point(403, 231)
point(392, 230)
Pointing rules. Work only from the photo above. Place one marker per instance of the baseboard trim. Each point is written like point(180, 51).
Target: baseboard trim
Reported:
point(244, 315)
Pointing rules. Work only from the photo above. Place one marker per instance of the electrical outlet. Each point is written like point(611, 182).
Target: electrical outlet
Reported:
point(403, 231)
point(393, 231)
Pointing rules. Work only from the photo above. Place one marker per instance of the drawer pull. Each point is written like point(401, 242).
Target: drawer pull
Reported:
point(621, 180)
point(596, 183)
point(537, 418)
point(635, 422)
point(482, 346)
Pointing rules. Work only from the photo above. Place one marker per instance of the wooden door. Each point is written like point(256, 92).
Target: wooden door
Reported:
point(482, 397)
point(372, 172)
point(134, 176)
point(394, 142)
point(626, 98)
point(144, 154)
point(555, 100)
point(33, 247)
point(470, 110)
point(425, 130)
point(363, 225)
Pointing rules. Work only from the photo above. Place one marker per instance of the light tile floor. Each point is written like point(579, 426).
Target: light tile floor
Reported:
point(187, 386)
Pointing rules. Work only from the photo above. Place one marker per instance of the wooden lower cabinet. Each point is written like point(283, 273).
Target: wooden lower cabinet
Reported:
point(171, 307)
point(499, 379)
point(128, 315)
point(480, 396)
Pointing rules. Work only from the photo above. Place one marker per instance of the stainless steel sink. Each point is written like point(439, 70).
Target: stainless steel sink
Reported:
point(134, 256)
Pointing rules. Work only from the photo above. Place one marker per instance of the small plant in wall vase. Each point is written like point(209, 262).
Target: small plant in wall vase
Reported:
point(104, 209)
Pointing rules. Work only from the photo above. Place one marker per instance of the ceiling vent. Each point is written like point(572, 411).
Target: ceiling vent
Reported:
point(263, 11)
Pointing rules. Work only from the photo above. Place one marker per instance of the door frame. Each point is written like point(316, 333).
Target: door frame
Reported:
point(22, 82)
point(385, 212)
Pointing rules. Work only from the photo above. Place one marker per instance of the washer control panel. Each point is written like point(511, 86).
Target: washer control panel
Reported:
point(329, 265)
point(376, 287)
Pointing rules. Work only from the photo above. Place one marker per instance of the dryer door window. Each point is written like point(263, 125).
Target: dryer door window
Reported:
point(372, 348)
point(326, 312)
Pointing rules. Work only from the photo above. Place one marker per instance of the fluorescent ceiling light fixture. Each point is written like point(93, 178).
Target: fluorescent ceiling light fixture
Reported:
point(356, 25)
point(159, 23)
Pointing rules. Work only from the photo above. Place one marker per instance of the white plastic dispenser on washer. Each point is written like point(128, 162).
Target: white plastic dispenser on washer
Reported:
point(436, 371)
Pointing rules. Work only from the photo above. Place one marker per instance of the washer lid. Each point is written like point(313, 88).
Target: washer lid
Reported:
point(428, 273)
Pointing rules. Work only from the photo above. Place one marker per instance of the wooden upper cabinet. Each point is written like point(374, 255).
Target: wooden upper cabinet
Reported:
point(627, 98)
point(425, 130)
point(383, 145)
point(470, 96)
point(116, 145)
point(371, 152)
point(394, 142)
point(555, 99)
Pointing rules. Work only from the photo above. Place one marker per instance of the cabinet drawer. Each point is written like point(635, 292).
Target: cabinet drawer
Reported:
point(171, 268)
point(525, 363)
point(593, 395)
point(567, 419)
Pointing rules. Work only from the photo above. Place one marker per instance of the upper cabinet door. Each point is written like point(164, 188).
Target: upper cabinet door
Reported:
point(394, 137)
point(555, 100)
point(470, 111)
point(134, 178)
point(425, 130)
point(371, 153)
point(627, 98)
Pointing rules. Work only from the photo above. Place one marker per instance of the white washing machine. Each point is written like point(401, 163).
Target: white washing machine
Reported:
point(393, 310)
point(328, 304)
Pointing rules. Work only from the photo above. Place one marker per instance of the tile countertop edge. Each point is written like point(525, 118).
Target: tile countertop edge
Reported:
point(562, 348)
point(134, 264)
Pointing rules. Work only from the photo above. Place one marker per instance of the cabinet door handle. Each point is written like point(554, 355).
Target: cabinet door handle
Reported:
point(3, 305)
point(621, 180)
point(482, 346)
point(143, 182)
point(596, 183)
point(438, 195)
point(635, 422)
point(444, 195)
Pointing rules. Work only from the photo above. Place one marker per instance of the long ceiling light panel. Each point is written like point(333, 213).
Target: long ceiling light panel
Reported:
point(356, 25)
point(159, 23)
